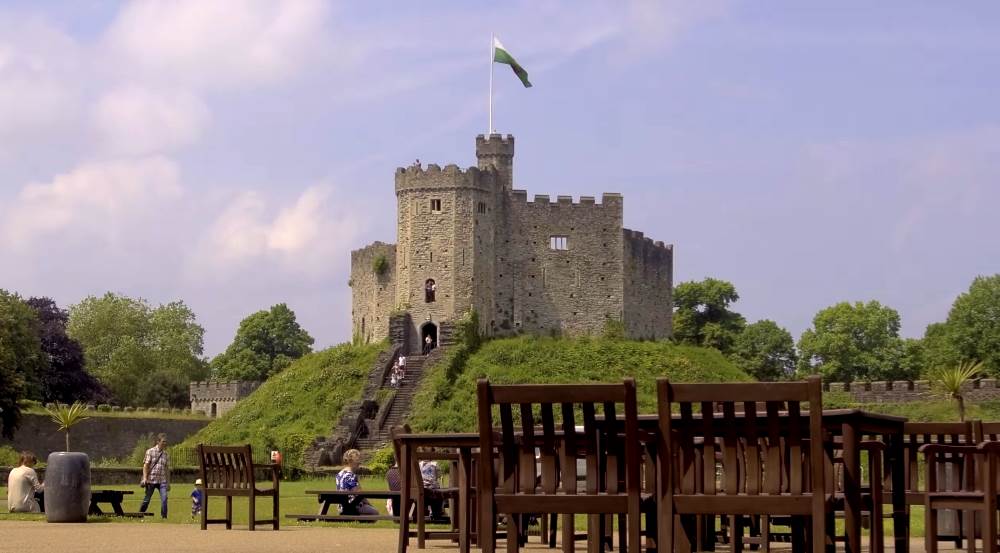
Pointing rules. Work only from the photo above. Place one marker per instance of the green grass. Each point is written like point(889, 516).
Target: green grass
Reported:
point(139, 414)
point(293, 407)
point(443, 406)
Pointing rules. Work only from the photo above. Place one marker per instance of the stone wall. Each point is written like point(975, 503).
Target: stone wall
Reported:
point(372, 295)
point(98, 437)
point(902, 391)
point(115, 476)
point(569, 291)
point(216, 397)
point(648, 285)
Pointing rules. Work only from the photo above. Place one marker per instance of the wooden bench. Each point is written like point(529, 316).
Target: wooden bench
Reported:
point(113, 498)
point(229, 471)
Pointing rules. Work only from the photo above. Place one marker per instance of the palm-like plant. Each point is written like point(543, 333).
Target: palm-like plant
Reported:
point(951, 380)
point(66, 416)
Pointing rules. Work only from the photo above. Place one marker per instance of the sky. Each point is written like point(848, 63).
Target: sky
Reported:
point(231, 153)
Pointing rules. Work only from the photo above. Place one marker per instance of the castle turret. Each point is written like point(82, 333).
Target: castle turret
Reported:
point(497, 151)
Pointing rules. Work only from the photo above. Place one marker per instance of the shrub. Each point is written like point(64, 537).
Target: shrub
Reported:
point(104, 408)
point(381, 461)
point(380, 265)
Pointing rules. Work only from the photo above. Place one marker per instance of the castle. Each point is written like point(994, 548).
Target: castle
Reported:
point(468, 240)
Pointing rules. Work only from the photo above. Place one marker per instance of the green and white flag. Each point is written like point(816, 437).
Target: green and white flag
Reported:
point(502, 55)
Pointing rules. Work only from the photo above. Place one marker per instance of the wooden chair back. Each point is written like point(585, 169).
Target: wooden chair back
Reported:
point(544, 429)
point(916, 434)
point(741, 449)
point(226, 468)
point(987, 431)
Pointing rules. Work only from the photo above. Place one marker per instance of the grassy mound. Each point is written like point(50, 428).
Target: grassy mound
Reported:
point(293, 407)
point(445, 406)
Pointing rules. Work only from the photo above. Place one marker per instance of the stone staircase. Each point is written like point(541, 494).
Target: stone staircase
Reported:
point(399, 407)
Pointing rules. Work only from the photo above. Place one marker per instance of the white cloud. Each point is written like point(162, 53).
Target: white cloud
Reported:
point(136, 120)
point(215, 43)
point(311, 236)
point(97, 199)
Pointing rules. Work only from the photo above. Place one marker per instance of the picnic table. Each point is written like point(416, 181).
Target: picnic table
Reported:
point(328, 498)
point(113, 498)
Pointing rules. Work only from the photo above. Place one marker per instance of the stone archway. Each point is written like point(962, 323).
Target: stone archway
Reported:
point(428, 330)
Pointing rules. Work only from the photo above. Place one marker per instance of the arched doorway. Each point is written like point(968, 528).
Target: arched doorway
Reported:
point(429, 330)
point(214, 410)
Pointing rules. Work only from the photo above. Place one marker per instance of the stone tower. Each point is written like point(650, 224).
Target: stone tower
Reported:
point(467, 239)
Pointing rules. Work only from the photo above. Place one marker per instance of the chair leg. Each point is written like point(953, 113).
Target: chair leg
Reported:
point(970, 530)
point(253, 512)
point(930, 528)
point(553, 525)
point(568, 533)
point(513, 532)
point(204, 514)
point(274, 510)
point(229, 512)
point(990, 527)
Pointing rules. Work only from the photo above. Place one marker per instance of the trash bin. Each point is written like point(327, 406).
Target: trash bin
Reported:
point(67, 487)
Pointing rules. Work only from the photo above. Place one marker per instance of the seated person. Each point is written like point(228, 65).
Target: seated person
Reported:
point(394, 481)
point(347, 480)
point(23, 484)
point(431, 476)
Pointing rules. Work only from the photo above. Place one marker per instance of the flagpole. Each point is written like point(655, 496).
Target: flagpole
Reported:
point(490, 130)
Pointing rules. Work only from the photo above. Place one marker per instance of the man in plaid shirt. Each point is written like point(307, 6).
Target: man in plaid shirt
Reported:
point(155, 474)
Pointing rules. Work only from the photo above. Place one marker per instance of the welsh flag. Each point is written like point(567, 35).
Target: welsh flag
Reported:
point(501, 55)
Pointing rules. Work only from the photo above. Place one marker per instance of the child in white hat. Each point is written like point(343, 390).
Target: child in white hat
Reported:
point(197, 498)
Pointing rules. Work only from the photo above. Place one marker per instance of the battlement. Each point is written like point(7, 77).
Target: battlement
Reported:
point(607, 199)
point(638, 238)
point(495, 144)
point(451, 176)
point(221, 389)
point(371, 250)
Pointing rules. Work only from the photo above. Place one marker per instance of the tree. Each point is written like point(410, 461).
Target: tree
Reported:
point(702, 316)
point(127, 344)
point(265, 343)
point(765, 351)
point(63, 377)
point(67, 416)
point(951, 380)
point(857, 341)
point(21, 358)
point(973, 325)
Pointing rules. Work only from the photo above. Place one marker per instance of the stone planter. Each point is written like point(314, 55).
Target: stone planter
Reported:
point(67, 487)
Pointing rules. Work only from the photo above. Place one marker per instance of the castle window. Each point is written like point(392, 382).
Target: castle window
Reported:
point(481, 207)
point(558, 243)
point(430, 290)
point(435, 206)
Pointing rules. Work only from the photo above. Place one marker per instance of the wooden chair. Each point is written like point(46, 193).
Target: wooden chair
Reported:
point(516, 489)
point(986, 431)
point(229, 471)
point(772, 463)
point(978, 496)
point(954, 470)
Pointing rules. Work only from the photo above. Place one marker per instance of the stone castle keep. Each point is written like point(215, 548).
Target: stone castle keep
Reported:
point(468, 240)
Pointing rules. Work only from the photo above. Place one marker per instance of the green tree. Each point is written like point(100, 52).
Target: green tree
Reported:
point(765, 351)
point(265, 343)
point(702, 316)
point(857, 341)
point(21, 358)
point(973, 325)
point(135, 350)
point(938, 348)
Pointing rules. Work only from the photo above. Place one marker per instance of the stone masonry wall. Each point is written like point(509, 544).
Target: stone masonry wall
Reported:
point(648, 284)
point(566, 291)
point(372, 295)
point(215, 398)
point(437, 235)
point(902, 391)
point(98, 437)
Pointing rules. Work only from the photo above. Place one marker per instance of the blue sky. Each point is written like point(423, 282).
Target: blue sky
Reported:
point(231, 153)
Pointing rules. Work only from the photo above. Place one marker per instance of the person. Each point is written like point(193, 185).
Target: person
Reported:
point(156, 474)
point(197, 498)
point(394, 377)
point(430, 474)
point(347, 480)
point(23, 486)
point(394, 480)
point(427, 344)
point(402, 363)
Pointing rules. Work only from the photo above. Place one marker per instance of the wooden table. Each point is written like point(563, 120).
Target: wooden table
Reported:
point(463, 444)
point(113, 498)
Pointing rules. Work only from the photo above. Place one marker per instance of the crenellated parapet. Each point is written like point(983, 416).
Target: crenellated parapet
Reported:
point(215, 397)
point(417, 178)
point(608, 200)
point(641, 243)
